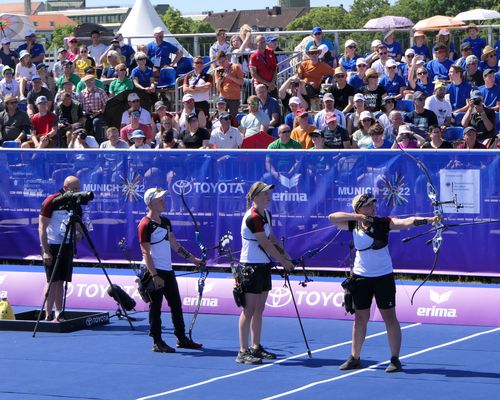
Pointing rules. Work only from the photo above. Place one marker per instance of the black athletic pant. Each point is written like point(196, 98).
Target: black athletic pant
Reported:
point(171, 293)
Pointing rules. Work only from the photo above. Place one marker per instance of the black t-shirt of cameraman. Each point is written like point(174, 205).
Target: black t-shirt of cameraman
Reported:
point(479, 116)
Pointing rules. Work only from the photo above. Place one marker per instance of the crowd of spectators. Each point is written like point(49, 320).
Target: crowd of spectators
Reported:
point(387, 98)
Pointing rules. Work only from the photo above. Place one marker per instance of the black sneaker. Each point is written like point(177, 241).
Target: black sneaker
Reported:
point(394, 365)
point(186, 343)
point(260, 352)
point(351, 363)
point(246, 357)
point(162, 347)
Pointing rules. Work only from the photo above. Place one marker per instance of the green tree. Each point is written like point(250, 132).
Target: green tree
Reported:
point(60, 32)
point(176, 23)
point(363, 10)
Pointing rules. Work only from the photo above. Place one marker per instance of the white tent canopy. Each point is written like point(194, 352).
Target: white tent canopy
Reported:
point(141, 21)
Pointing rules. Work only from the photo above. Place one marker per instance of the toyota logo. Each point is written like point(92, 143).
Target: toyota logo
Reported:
point(278, 297)
point(182, 185)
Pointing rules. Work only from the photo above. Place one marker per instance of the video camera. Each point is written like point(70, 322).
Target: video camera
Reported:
point(76, 198)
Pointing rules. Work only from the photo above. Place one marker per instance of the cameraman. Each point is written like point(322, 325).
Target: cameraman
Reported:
point(80, 140)
point(479, 116)
point(229, 80)
point(53, 214)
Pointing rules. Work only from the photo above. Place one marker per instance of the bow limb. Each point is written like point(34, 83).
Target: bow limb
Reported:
point(203, 267)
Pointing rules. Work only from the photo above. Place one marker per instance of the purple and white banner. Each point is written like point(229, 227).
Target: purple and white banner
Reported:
point(437, 304)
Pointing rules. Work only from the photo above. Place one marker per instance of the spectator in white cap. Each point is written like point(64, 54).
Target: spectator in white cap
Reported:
point(36, 91)
point(36, 50)
point(394, 48)
point(294, 104)
point(225, 136)
point(8, 57)
point(160, 51)
point(357, 79)
point(354, 117)
point(406, 61)
point(372, 55)
point(393, 83)
point(134, 103)
point(361, 138)
point(187, 109)
point(444, 37)
point(329, 108)
point(8, 84)
point(25, 70)
point(348, 59)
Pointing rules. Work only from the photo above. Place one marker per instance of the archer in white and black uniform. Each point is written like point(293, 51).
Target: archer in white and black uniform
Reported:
point(259, 245)
point(156, 240)
point(373, 273)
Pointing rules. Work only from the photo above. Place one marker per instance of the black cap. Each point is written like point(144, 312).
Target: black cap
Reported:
point(89, 68)
point(191, 116)
point(465, 46)
point(317, 134)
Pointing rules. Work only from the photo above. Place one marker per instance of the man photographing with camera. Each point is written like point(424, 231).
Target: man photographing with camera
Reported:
point(54, 216)
point(229, 80)
point(479, 117)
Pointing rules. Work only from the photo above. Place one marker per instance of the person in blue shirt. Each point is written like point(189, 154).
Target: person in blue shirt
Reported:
point(269, 105)
point(490, 90)
point(318, 39)
point(497, 49)
point(419, 80)
point(458, 90)
point(404, 66)
point(376, 132)
point(357, 80)
point(142, 75)
point(36, 50)
point(439, 67)
point(465, 51)
point(420, 45)
point(394, 48)
point(348, 59)
point(159, 51)
point(393, 83)
point(489, 59)
point(477, 43)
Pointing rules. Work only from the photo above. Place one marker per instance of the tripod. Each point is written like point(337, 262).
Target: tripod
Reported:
point(70, 232)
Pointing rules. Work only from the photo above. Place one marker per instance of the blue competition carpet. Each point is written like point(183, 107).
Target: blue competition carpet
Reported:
point(113, 362)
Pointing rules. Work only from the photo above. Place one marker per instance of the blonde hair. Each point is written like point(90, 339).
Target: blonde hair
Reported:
point(140, 54)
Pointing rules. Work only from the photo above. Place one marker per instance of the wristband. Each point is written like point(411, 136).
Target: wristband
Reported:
point(419, 222)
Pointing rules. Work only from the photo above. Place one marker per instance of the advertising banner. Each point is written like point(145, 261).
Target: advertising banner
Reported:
point(309, 185)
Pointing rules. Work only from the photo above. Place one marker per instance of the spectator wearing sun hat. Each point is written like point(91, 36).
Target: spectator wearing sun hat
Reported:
point(489, 59)
point(8, 84)
point(420, 46)
point(36, 50)
point(477, 43)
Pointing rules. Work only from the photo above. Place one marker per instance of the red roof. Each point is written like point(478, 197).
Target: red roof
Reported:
point(18, 8)
point(47, 22)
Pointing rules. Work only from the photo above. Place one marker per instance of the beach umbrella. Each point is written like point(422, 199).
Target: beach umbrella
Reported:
point(479, 14)
point(388, 22)
point(437, 22)
point(14, 26)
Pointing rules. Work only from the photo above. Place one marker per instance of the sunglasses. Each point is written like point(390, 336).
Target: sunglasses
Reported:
point(198, 62)
point(361, 65)
point(366, 120)
point(383, 53)
point(352, 47)
point(371, 76)
point(121, 70)
point(141, 59)
point(83, 51)
point(391, 67)
point(410, 55)
point(226, 119)
point(319, 33)
point(422, 73)
point(135, 101)
point(340, 76)
point(286, 131)
point(72, 41)
point(12, 102)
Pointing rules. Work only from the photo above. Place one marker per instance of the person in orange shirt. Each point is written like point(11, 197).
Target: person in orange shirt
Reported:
point(229, 80)
point(302, 129)
point(313, 70)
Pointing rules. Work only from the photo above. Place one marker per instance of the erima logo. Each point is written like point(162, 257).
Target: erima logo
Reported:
point(435, 311)
point(290, 182)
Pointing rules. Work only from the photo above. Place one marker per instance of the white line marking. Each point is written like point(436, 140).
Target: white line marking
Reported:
point(371, 367)
point(217, 378)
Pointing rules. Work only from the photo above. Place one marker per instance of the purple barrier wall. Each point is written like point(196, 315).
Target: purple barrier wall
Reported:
point(437, 304)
